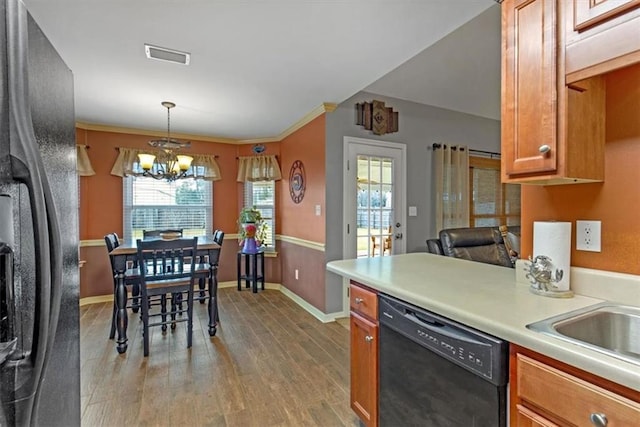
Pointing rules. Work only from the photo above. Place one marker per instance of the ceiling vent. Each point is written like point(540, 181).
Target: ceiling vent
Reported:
point(169, 55)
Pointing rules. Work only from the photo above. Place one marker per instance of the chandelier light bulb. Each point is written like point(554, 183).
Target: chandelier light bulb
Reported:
point(170, 166)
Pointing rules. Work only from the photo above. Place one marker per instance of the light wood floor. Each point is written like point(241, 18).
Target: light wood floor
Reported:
point(270, 364)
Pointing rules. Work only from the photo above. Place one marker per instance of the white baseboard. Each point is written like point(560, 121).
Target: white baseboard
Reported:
point(323, 317)
point(234, 284)
point(96, 300)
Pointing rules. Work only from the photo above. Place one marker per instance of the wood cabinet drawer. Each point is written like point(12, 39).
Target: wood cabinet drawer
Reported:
point(569, 398)
point(527, 418)
point(363, 301)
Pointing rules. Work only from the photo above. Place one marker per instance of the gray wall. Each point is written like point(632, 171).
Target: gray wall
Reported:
point(419, 127)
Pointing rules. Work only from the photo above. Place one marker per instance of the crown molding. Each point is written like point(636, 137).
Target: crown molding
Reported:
point(134, 131)
point(326, 107)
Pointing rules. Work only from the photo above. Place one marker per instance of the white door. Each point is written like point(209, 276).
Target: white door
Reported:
point(374, 198)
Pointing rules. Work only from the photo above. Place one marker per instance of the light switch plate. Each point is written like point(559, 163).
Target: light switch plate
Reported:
point(413, 211)
point(588, 236)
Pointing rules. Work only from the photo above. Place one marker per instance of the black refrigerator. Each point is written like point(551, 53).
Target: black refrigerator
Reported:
point(39, 277)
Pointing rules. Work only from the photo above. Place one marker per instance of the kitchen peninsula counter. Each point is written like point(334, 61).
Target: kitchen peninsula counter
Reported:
point(487, 298)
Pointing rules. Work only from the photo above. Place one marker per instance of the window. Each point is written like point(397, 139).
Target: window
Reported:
point(492, 203)
point(261, 194)
point(151, 204)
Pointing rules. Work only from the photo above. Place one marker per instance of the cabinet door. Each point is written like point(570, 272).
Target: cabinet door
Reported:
point(601, 36)
point(364, 369)
point(590, 13)
point(529, 87)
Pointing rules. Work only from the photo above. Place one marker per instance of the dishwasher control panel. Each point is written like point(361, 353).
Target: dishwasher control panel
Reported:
point(474, 350)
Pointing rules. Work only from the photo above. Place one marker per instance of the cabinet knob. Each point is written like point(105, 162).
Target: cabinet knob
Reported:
point(358, 300)
point(369, 338)
point(598, 420)
point(544, 149)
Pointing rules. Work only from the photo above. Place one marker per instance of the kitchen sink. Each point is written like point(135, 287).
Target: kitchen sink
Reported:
point(613, 329)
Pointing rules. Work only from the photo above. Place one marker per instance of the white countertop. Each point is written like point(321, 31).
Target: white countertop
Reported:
point(487, 298)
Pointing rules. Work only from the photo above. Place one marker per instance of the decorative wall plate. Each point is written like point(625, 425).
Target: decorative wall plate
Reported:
point(297, 181)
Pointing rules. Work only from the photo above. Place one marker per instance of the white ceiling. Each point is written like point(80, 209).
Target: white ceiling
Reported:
point(259, 66)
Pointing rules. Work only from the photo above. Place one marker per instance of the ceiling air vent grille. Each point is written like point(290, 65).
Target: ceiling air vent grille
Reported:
point(164, 54)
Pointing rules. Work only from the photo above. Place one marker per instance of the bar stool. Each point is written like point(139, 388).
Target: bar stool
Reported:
point(253, 270)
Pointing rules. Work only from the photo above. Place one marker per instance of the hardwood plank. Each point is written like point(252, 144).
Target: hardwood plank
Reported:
point(270, 363)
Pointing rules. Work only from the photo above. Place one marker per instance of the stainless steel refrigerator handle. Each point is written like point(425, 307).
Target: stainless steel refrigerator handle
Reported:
point(27, 167)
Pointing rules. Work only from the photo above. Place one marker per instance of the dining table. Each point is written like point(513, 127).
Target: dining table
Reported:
point(125, 258)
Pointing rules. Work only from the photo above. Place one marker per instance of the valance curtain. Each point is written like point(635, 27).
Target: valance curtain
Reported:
point(83, 164)
point(451, 179)
point(259, 168)
point(203, 166)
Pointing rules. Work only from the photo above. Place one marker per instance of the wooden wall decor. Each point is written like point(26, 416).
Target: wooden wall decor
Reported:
point(374, 116)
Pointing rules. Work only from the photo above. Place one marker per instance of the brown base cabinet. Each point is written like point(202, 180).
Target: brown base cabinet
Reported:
point(545, 392)
point(364, 353)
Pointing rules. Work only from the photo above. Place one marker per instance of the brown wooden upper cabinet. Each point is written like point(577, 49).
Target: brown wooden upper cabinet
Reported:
point(601, 36)
point(594, 12)
point(551, 133)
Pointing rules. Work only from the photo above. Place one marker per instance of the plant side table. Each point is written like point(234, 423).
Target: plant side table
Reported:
point(253, 270)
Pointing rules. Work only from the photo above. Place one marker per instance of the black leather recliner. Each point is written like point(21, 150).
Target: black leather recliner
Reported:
point(434, 246)
point(482, 244)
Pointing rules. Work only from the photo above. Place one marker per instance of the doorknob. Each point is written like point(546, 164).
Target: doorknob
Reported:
point(398, 224)
point(398, 236)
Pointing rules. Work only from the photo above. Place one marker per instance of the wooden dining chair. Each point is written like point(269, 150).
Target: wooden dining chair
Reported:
point(384, 246)
point(112, 241)
point(168, 268)
point(218, 237)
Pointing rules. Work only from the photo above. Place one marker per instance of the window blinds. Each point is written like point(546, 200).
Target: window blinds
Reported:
point(151, 204)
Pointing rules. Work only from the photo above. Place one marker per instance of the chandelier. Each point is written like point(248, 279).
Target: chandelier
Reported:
point(166, 164)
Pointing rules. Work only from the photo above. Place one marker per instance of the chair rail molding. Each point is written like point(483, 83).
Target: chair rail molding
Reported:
point(302, 242)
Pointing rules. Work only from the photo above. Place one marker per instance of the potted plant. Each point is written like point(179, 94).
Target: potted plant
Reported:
point(252, 229)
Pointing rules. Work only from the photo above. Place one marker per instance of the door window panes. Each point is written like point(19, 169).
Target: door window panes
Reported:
point(374, 208)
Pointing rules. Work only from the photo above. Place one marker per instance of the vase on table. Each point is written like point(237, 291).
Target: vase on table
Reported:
point(250, 245)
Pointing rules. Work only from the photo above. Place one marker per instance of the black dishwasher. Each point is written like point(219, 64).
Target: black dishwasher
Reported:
point(438, 373)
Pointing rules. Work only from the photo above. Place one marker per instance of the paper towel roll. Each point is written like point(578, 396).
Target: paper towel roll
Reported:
point(553, 239)
point(6, 220)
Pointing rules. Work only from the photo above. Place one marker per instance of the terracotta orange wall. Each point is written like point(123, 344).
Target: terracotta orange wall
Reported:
point(616, 202)
point(101, 205)
point(307, 145)
point(101, 194)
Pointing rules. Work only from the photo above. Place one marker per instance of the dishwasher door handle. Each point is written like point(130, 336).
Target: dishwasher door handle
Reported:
point(442, 328)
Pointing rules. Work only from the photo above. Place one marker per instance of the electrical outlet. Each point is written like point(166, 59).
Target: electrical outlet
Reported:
point(296, 274)
point(588, 236)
